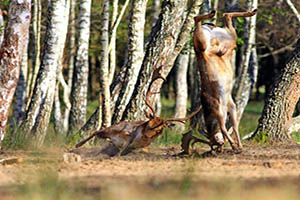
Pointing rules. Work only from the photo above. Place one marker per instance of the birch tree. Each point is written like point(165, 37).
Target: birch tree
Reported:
point(135, 55)
point(163, 39)
point(36, 34)
point(10, 56)
point(1, 27)
point(21, 95)
point(113, 38)
point(181, 65)
point(104, 67)
point(243, 83)
point(40, 107)
point(80, 78)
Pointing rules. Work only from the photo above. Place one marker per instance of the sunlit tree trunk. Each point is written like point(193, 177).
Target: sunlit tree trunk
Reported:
point(155, 11)
point(161, 46)
point(1, 27)
point(36, 32)
point(104, 67)
point(183, 38)
point(41, 103)
point(135, 55)
point(80, 78)
point(21, 95)
point(181, 65)
point(10, 56)
point(280, 104)
point(113, 38)
point(58, 117)
point(244, 84)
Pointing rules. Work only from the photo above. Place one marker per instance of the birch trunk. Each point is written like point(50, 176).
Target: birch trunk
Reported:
point(155, 11)
point(181, 65)
point(243, 83)
point(280, 104)
point(183, 38)
point(104, 67)
point(40, 107)
point(161, 46)
point(36, 28)
point(80, 78)
point(113, 38)
point(135, 55)
point(10, 56)
point(1, 27)
point(72, 32)
point(21, 95)
point(58, 119)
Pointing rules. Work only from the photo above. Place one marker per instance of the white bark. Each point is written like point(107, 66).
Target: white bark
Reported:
point(80, 82)
point(10, 56)
point(294, 9)
point(1, 27)
point(113, 38)
point(38, 114)
point(36, 27)
point(135, 55)
point(21, 95)
point(72, 26)
point(181, 65)
point(243, 91)
point(104, 68)
point(155, 11)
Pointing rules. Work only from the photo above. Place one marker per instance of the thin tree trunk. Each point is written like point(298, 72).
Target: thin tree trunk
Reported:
point(21, 95)
point(280, 104)
point(161, 46)
point(36, 27)
point(104, 67)
point(155, 11)
point(294, 9)
point(72, 32)
point(2, 27)
point(243, 83)
point(215, 7)
point(58, 119)
point(80, 78)
point(181, 65)
point(40, 107)
point(113, 38)
point(10, 56)
point(135, 55)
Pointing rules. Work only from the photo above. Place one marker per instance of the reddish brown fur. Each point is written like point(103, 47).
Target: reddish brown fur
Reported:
point(137, 134)
point(214, 46)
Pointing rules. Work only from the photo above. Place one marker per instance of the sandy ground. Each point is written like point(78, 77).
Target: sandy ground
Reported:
point(256, 165)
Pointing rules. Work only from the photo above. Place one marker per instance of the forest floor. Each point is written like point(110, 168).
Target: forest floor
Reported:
point(268, 172)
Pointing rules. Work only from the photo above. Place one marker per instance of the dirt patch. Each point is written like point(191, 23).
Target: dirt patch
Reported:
point(270, 166)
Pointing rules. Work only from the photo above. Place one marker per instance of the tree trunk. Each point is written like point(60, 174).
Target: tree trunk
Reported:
point(72, 32)
point(135, 55)
point(58, 119)
point(80, 78)
point(104, 67)
point(155, 11)
point(21, 95)
point(280, 104)
point(10, 56)
point(243, 85)
point(163, 39)
point(36, 29)
point(40, 107)
point(2, 27)
point(181, 65)
point(183, 38)
point(113, 38)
